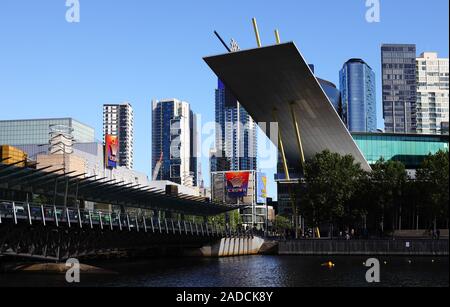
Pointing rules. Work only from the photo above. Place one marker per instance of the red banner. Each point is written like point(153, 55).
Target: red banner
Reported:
point(237, 183)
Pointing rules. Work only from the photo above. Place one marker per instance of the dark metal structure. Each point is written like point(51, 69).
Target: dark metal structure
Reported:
point(275, 84)
point(75, 188)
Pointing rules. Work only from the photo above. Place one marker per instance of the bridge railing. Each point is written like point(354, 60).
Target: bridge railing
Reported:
point(38, 214)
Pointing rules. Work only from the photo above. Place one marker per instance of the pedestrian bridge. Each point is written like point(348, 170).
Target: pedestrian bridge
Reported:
point(57, 233)
point(63, 228)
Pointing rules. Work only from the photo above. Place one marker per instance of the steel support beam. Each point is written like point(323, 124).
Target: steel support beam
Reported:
point(299, 137)
point(255, 27)
point(281, 147)
point(277, 37)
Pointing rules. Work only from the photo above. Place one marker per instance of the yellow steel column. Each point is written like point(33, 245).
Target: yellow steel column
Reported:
point(281, 147)
point(255, 27)
point(299, 137)
point(302, 158)
point(277, 37)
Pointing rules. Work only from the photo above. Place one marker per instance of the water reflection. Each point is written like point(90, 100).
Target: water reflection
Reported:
point(255, 271)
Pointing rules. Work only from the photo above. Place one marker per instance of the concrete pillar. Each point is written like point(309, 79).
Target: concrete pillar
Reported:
point(221, 247)
point(231, 251)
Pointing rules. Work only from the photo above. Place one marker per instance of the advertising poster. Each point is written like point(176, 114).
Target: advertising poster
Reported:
point(261, 186)
point(237, 183)
point(111, 151)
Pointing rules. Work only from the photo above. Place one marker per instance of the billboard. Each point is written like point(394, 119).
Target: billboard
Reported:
point(261, 187)
point(237, 183)
point(111, 151)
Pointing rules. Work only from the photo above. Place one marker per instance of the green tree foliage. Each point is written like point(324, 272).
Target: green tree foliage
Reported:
point(331, 182)
point(282, 223)
point(433, 182)
point(387, 182)
point(338, 192)
point(234, 219)
point(41, 199)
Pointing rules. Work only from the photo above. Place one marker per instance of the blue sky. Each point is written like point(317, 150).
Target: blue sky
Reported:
point(137, 50)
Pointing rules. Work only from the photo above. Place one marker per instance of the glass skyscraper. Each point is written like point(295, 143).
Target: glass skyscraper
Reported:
point(358, 92)
point(174, 142)
point(236, 138)
point(399, 87)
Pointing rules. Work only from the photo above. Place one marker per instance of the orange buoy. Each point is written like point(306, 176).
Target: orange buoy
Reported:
point(329, 264)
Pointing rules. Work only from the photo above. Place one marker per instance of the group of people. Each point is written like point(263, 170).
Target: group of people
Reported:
point(348, 235)
point(435, 234)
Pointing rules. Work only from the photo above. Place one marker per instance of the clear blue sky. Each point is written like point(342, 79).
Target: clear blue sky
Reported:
point(137, 50)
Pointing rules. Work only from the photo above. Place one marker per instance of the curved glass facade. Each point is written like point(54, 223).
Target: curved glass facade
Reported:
point(357, 85)
point(333, 94)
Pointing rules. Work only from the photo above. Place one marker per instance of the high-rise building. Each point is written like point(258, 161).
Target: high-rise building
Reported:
point(118, 120)
point(236, 133)
point(399, 87)
point(358, 92)
point(432, 93)
point(174, 142)
point(194, 148)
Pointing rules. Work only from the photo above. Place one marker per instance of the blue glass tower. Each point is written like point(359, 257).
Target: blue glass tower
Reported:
point(357, 85)
point(236, 137)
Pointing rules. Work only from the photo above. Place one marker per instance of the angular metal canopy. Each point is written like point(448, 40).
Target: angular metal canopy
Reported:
point(274, 77)
point(40, 181)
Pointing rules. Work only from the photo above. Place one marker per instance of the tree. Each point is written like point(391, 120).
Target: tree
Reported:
point(218, 220)
point(388, 181)
point(433, 178)
point(40, 199)
point(231, 219)
point(282, 223)
point(235, 219)
point(331, 181)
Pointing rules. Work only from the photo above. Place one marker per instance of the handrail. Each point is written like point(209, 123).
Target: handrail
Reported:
point(61, 216)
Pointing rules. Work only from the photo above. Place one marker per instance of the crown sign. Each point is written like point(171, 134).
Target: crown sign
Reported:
point(237, 182)
point(234, 46)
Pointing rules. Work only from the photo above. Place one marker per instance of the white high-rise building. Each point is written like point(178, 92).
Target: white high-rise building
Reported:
point(118, 120)
point(432, 93)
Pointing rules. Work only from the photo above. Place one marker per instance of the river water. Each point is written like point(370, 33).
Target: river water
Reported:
point(251, 271)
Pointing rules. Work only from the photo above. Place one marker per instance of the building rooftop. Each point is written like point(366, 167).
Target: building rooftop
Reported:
point(44, 119)
point(359, 61)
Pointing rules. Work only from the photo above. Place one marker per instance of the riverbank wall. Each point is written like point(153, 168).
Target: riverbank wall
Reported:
point(398, 247)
